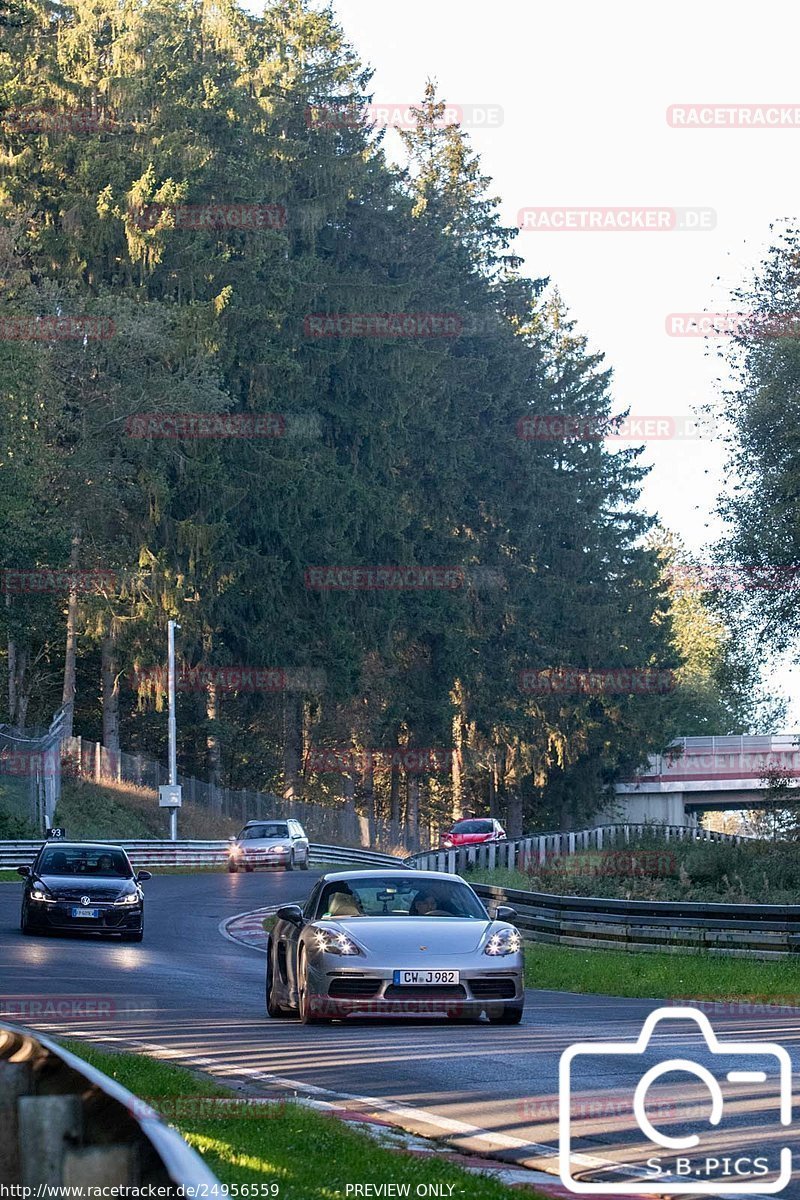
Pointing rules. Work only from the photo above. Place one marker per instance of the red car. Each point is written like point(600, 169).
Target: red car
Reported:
point(472, 832)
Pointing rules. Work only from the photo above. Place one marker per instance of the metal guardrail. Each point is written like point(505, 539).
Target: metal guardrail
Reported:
point(152, 853)
point(66, 1124)
point(745, 930)
point(508, 855)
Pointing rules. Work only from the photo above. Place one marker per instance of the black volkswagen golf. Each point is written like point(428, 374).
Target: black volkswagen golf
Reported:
point(85, 886)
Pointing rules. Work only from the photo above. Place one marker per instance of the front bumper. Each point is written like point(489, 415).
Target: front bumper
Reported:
point(260, 858)
point(340, 991)
point(111, 918)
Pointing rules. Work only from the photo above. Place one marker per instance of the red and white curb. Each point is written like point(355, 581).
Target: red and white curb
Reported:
point(247, 928)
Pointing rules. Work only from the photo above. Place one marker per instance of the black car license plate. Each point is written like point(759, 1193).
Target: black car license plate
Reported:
point(86, 912)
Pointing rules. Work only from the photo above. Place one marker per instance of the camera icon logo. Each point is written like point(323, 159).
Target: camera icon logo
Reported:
point(698, 1173)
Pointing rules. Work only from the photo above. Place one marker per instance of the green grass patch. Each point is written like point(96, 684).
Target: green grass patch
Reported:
point(661, 976)
point(310, 1156)
point(10, 877)
point(93, 811)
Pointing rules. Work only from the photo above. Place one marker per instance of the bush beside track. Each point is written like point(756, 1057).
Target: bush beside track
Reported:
point(754, 872)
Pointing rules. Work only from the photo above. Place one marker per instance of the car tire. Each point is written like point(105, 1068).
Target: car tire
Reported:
point(307, 1015)
point(290, 863)
point(248, 869)
point(509, 1014)
point(233, 868)
point(273, 1009)
point(135, 935)
point(304, 863)
point(26, 928)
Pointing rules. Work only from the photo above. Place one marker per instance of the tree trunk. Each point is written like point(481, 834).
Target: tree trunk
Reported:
point(457, 802)
point(514, 821)
point(412, 811)
point(368, 792)
point(213, 747)
point(349, 830)
point(110, 687)
point(18, 684)
point(394, 805)
point(71, 651)
point(292, 744)
point(494, 787)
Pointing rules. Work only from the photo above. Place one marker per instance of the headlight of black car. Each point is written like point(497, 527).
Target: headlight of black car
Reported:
point(127, 898)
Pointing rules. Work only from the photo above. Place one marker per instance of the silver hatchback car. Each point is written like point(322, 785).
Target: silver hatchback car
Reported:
point(269, 844)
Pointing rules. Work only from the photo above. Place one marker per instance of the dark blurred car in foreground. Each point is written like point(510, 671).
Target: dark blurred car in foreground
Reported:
point(88, 886)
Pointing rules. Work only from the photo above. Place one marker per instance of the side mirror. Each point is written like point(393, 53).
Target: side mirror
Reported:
point(143, 876)
point(25, 871)
point(504, 912)
point(292, 913)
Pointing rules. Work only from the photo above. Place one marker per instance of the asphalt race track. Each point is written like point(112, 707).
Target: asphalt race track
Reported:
point(189, 994)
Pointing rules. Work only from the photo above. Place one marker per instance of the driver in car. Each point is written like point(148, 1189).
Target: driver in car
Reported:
point(423, 904)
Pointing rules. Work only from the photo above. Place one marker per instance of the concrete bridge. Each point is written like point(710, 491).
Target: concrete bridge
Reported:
point(702, 774)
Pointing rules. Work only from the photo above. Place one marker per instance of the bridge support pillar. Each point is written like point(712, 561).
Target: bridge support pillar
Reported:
point(637, 807)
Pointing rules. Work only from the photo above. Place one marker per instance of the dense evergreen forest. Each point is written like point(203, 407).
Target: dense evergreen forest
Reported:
point(239, 347)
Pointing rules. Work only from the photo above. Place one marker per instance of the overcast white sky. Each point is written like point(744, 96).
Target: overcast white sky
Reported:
point(584, 89)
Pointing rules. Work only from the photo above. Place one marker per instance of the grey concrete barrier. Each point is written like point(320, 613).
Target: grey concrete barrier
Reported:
point(66, 1124)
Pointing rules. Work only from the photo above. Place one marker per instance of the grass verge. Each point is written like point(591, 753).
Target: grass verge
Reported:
point(663, 976)
point(308, 1155)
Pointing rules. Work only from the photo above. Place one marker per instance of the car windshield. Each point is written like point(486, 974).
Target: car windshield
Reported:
point(473, 827)
point(100, 864)
point(398, 896)
point(276, 829)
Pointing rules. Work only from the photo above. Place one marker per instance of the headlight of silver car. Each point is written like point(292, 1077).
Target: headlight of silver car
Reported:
point(331, 942)
point(505, 941)
point(128, 898)
point(279, 849)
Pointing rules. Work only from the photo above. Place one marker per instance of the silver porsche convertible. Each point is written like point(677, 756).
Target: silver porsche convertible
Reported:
point(394, 943)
